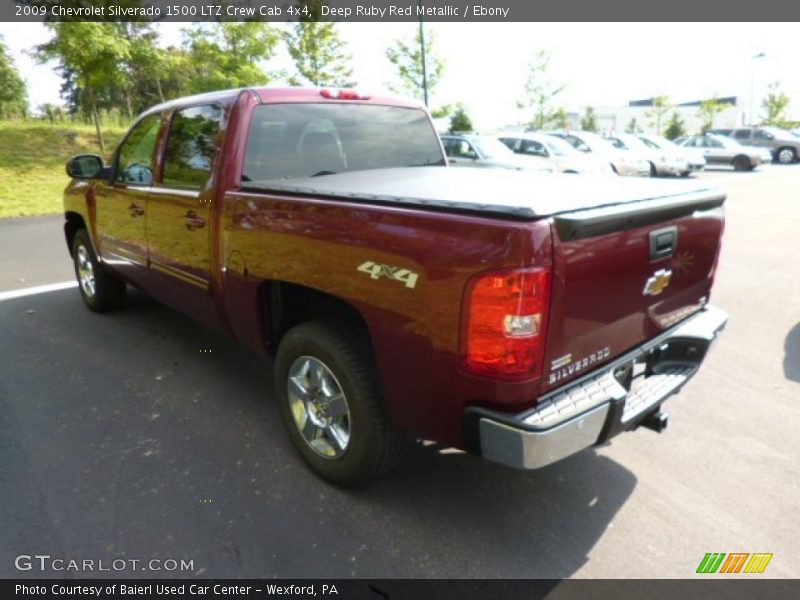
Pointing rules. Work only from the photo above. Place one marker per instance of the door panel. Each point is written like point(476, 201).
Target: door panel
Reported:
point(178, 235)
point(121, 205)
point(179, 208)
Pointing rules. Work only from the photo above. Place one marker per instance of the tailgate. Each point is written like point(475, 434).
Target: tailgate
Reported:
point(623, 274)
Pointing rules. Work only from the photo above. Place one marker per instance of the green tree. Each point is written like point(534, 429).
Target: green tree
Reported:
point(633, 126)
point(94, 54)
point(589, 120)
point(320, 56)
point(406, 56)
point(661, 107)
point(675, 127)
point(541, 92)
point(460, 121)
point(708, 111)
point(13, 92)
point(226, 55)
point(776, 105)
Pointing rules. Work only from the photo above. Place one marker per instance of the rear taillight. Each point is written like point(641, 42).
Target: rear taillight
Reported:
point(504, 321)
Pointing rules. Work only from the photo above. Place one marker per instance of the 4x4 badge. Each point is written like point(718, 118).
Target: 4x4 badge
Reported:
point(376, 271)
point(657, 283)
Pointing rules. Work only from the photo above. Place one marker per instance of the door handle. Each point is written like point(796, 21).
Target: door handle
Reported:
point(135, 210)
point(193, 221)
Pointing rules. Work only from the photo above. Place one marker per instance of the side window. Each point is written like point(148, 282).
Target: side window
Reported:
point(742, 134)
point(534, 148)
point(512, 144)
point(135, 162)
point(465, 149)
point(577, 143)
point(448, 146)
point(191, 145)
point(760, 134)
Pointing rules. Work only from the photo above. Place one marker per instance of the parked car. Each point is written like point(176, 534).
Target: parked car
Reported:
point(473, 150)
point(398, 299)
point(693, 157)
point(722, 150)
point(783, 146)
point(663, 161)
point(566, 158)
point(621, 161)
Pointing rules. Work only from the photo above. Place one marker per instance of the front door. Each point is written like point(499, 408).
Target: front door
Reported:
point(120, 206)
point(179, 207)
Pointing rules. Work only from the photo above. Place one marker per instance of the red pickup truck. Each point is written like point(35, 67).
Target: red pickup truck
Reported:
point(520, 317)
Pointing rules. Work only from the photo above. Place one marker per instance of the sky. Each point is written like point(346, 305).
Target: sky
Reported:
point(601, 64)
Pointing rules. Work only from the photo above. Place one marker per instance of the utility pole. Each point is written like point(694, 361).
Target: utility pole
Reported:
point(751, 116)
point(422, 51)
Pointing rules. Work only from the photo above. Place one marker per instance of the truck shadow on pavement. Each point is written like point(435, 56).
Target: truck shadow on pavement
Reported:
point(142, 434)
point(791, 354)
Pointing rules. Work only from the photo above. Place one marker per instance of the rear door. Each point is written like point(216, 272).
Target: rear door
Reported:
point(179, 207)
point(625, 274)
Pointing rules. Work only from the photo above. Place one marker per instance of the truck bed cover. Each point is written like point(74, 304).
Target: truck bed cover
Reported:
point(510, 194)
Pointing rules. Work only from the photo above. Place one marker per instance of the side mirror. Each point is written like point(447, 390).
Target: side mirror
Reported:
point(85, 166)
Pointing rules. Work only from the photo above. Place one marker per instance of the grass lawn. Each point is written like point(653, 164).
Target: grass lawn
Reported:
point(32, 159)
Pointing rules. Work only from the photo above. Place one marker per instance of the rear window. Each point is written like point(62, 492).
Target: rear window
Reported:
point(302, 140)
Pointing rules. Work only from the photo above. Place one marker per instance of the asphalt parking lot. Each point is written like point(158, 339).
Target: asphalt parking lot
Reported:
point(120, 438)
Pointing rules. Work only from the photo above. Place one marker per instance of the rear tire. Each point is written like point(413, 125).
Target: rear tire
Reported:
point(686, 173)
point(100, 290)
point(742, 163)
point(787, 156)
point(330, 401)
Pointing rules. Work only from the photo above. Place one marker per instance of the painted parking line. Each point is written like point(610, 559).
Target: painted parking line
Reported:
point(39, 289)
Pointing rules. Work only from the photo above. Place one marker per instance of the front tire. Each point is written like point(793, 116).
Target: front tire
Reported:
point(331, 405)
point(100, 290)
point(741, 163)
point(787, 156)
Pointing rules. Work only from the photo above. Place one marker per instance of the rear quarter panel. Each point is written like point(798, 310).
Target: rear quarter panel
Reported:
point(414, 330)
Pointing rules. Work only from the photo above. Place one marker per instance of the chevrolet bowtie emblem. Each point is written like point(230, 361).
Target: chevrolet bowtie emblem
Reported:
point(657, 283)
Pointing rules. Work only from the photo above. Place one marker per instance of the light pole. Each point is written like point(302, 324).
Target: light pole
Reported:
point(753, 60)
point(422, 50)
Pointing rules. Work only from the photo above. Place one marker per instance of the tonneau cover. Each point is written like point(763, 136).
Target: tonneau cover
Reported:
point(510, 194)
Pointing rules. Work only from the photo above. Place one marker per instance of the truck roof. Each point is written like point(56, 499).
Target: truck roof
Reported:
point(283, 94)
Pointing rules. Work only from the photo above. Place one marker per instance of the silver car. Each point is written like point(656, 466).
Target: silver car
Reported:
point(662, 161)
point(694, 158)
point(722, 150)
point(564, 156)
point(621, 161)
point(473, 150)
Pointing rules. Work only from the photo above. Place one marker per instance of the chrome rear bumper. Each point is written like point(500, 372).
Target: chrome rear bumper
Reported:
point(603, 403)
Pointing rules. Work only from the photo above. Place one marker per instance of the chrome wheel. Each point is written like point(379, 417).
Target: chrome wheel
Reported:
point(85, 271)
point(786, 156)
point(319, 407)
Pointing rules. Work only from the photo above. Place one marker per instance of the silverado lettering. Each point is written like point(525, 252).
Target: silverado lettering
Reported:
point(395, 297)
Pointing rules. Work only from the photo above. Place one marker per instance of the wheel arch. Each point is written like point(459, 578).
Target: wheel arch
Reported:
point(73, 223)
point(284, 304)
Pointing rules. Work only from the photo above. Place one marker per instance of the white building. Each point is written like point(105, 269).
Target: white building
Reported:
point(617, 119)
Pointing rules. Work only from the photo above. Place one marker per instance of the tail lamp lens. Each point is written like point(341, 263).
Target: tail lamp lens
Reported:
point(504, 322)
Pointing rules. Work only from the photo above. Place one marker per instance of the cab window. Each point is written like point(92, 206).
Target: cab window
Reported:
point(191, 146)
point(534, 148)
point(135, 158)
